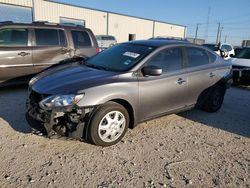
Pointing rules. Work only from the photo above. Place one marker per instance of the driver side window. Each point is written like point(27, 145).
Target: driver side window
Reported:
point(168, 60)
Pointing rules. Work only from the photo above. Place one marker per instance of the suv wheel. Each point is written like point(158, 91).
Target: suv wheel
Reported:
point(215, 99)
point(108, 124)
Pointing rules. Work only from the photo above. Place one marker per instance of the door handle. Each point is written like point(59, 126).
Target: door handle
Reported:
point(211, 75)
point(23, 54)
point(180, 81)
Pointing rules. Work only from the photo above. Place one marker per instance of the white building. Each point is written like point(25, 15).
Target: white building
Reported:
point(100, 22)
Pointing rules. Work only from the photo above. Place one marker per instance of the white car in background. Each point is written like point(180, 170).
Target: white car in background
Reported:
point(105, 41)
point(241, 66)
point(217, 48)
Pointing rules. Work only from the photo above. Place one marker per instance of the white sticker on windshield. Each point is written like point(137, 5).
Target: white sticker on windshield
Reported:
point(131, 54)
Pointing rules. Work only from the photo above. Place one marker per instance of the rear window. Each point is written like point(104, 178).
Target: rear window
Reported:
point(81, 39)
point(13, 37)
point(47, 37)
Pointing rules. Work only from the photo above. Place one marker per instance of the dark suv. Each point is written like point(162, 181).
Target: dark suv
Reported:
point(27, 49)
point(98, 99)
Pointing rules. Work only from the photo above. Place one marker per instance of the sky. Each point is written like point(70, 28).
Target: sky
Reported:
point(233, 15)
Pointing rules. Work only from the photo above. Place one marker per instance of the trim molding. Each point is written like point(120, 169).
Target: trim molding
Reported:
point(16, 65)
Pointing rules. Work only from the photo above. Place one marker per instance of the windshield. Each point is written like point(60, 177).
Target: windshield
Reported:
point(244, 54)
point(120, 58)
point(213, 47)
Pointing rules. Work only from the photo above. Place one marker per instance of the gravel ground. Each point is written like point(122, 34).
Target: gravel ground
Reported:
point(192, 149)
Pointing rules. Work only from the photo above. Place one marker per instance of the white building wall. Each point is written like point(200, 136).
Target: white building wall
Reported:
point(27, 3)
point(50, 11)
point(121, 26)
point(170, 30)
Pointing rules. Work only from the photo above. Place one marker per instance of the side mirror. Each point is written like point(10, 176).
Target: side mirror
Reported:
point(232, 55)
point(223, 53)
point(151, 71)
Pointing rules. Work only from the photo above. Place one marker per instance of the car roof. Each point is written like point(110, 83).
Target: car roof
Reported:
point(157, 43)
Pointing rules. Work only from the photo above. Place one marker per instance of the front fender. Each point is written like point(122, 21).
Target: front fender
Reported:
point(98, 95)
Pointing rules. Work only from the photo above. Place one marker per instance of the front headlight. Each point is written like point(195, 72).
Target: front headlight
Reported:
point(60, 101)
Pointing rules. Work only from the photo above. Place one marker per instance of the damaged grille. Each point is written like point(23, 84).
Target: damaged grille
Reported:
point(36, 97)
point(33, 107)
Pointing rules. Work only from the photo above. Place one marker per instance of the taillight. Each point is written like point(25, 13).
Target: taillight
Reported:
point(97, 50)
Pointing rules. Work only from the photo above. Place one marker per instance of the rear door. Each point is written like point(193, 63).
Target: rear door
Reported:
point(15, 53)
point(84, 43)
point(165, 93)
point(202, 72)
point(50, 47)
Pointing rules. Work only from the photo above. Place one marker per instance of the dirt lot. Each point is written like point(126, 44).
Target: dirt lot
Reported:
point(193, 149)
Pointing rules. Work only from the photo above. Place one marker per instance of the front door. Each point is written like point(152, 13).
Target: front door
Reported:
point(15, 54)
point(165, 93)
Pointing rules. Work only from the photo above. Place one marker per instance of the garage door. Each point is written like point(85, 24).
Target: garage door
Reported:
point(15, 13)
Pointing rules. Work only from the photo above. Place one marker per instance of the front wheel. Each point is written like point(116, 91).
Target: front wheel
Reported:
point(108, 124)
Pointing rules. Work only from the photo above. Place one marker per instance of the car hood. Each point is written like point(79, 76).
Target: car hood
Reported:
point(70, 79)
point(241, 62)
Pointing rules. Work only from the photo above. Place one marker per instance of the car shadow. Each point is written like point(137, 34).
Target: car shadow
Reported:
point(12, 107)
point(233, 117)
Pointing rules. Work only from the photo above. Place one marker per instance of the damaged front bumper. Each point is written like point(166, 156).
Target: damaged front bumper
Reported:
point(64, 121)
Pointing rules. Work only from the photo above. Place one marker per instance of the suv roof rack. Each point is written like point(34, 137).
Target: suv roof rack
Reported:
point(62, 24)
point(44, 22)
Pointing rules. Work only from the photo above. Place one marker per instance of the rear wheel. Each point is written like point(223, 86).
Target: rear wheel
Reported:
point(214, 100)
point(108, 124)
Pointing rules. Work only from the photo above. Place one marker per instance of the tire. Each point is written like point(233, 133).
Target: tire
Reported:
point(214, 99)
point(103, 129)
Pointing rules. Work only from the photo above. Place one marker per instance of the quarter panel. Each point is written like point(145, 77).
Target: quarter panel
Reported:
point(203, 77)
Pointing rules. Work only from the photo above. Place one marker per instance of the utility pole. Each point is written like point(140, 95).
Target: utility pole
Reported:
point(218, 32)
point(196, 33)
point(225, 39)
point(33, 11)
